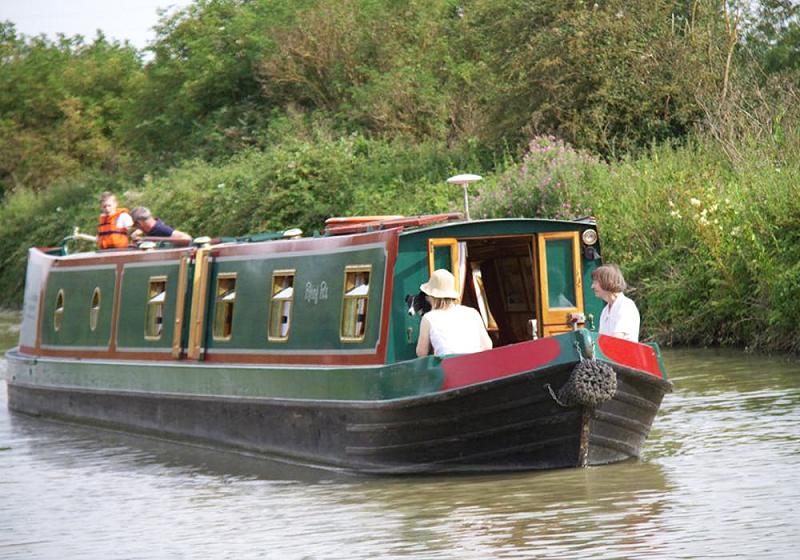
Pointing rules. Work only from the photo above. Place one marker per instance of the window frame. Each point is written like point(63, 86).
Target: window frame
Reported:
point(354, 269)
point(551, 315)
point(282, 273)
point(227, 303)
point(162, 304)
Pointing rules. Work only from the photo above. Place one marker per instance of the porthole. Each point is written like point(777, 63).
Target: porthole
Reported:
point(94, 311)
point(58, 313)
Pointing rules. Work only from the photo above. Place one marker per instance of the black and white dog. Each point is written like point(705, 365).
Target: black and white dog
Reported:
point(417, 305)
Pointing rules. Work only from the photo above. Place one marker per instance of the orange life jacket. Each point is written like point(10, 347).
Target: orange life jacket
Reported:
point(108, 235)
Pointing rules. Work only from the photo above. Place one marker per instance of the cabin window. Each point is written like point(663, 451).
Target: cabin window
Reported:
point(58, 313)
point(560, 280)
point(94, 311)
point(354, 306)
point(444, 253)
point(154, 316)
point(280, 308)
point(561, 273)
point(223, 309)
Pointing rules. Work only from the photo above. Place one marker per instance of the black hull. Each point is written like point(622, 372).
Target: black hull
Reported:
point(504, 425)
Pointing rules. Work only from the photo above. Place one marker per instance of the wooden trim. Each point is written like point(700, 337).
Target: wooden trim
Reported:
point(560, 315)
point(538, 305)
point(451, 242)
point(550, 330)
point(112, 346)
point(197, 316)
point(180, 307)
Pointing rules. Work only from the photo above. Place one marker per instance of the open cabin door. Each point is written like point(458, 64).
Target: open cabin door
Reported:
point(500, 282)
point(560, 280)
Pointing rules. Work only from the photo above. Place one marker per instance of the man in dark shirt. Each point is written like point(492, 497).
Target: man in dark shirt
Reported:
point(153, 227)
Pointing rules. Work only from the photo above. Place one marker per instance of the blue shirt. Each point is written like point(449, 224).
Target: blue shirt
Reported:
point(160, 229)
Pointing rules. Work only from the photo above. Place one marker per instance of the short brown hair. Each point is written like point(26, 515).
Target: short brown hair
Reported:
point(610, 278)
point(106, 195)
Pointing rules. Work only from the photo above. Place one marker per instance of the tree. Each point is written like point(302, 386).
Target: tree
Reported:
point(60, 103)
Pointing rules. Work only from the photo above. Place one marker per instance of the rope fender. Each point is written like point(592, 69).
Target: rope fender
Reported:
point(590, 383)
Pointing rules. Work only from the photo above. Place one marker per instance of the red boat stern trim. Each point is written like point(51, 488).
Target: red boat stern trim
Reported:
point(470, 369)
point(631, 354)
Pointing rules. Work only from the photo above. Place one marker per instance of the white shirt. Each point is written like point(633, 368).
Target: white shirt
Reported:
point(623, 317)
point(455, 330)
point(124, 221)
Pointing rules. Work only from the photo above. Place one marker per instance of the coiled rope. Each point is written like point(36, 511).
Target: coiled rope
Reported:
point(589, 384)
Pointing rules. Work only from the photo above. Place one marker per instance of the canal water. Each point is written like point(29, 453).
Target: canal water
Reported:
point(718, 479)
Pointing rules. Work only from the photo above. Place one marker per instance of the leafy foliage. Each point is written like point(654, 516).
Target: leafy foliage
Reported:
point(60, 104)
point(675, 123)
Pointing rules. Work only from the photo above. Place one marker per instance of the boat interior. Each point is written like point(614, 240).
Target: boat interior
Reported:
point(500, 283)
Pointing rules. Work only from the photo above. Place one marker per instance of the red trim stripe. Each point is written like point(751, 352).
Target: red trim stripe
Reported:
point(630, 354)
point(470, 369)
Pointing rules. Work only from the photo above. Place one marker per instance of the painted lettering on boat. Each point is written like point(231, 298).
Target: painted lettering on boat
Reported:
point(316, 292)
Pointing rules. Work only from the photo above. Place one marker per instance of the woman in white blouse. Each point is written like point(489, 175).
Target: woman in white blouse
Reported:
point(449, 328)
point(620, 317)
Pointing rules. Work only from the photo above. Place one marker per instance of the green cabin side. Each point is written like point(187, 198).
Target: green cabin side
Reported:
point(336, 300)
point(310, 302)
point(78, 307)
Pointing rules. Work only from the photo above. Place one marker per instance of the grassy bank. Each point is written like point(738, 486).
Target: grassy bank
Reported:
point(711, 249)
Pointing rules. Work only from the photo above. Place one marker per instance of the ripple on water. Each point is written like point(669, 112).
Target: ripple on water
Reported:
point(717, 480)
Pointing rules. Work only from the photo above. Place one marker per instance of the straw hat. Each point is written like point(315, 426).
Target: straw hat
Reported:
point(442, 284)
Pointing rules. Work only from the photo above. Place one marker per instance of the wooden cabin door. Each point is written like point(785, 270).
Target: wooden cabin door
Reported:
point(195, 347)
point(560, 280)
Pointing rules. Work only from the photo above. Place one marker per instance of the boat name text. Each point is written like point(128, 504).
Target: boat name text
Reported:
point(315, 293)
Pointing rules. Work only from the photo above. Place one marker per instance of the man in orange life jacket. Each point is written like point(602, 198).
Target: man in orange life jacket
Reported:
point(112, 229)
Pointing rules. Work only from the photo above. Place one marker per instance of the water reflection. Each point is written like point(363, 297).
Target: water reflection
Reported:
point(559, 513)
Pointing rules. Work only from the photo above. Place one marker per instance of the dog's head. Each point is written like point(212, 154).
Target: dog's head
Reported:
point(417, 304)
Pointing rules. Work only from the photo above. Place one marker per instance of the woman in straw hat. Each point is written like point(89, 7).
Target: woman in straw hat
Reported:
point(449, 328)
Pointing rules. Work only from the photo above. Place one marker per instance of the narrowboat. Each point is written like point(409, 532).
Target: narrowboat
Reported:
point(303, 348)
